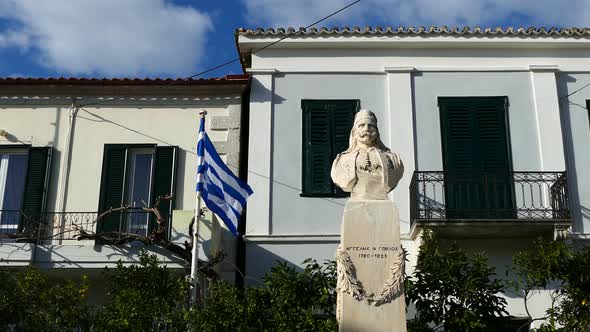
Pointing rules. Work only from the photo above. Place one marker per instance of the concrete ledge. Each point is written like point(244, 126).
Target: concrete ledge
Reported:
point(80, 256)
point(326, 238)
point(495, 228)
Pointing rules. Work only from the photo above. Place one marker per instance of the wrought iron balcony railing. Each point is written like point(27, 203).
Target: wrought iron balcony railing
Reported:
point(47, 227)
point(443, 196)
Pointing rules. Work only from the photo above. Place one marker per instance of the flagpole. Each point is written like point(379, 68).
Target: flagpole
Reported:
point(195, 235)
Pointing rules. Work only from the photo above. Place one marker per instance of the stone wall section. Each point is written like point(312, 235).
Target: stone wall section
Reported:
point(230, 148)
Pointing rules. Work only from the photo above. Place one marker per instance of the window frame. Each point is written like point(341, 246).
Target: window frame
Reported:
point(12, 150)
point(130, 149)
point(335, 191)
point(130, 183)
point(36, 181)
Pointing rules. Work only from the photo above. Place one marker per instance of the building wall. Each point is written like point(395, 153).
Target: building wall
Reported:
point(521, 112)
point(576, 127)
point(37, 125)
point(401, 85)
point(164, 125)
point(292, 214)
point(161, 121)
point(360, 58)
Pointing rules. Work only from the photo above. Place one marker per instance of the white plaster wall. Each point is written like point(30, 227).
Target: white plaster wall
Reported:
point(295, 215)
point(262, 255)
point(292, 214)
point(37, 126)
point(362, 59)
point(163, 126)
point(576, 131)
point(521, 113)
point(95, 127)
point(361, 74)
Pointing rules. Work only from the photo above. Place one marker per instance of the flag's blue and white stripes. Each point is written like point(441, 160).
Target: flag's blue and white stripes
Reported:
point(220, 189)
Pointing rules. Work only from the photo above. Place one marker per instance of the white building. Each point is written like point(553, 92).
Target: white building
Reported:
point(73, 148)
point(492, 127)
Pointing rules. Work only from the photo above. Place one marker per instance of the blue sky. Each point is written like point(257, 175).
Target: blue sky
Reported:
point(177, 38)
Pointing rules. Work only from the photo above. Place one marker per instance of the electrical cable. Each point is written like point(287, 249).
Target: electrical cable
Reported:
point(238, 58)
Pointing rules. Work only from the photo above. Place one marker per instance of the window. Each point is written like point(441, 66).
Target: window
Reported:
point(326, 130)
point(476, 157)
point(139, 187)
point(135, 175)
point(23, 184)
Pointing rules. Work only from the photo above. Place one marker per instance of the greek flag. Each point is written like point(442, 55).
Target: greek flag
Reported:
point(220, 189)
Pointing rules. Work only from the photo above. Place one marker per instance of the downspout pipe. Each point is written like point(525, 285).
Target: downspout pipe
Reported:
point(65, 166)
point(243, 175)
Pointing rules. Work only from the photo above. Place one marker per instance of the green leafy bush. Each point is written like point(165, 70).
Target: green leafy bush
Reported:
point(450, 289)
point(289, 300)
point(30, 301)
point(555, 265)
point(143, 298)
point(453, 290)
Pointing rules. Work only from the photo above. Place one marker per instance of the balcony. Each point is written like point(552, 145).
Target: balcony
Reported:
point(63, 227)
point(53, 239)
point(515, 204)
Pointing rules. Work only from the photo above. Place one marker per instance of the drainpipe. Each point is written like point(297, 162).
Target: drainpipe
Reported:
point(65, 166)
point(243, 175)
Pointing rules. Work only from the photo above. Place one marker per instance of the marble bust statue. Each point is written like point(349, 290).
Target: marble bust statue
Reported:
point(367, 169)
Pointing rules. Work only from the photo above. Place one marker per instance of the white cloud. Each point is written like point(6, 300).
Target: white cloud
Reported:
point(284, 13)
point(108, 37)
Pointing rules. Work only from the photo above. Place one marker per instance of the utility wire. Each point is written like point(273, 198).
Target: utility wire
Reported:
point(566, 97)
point(238, 58)
point(576, 91)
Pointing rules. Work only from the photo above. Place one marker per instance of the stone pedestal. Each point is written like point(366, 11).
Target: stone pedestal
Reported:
point(370, 260)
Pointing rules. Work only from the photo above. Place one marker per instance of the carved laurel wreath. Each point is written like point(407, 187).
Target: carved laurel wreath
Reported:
point(349, 284)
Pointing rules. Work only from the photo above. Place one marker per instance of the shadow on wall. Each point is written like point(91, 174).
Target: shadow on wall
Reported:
point(96, 255)
point(585, 212)
point(264, 95)
point(570, 161)
point(259, 259)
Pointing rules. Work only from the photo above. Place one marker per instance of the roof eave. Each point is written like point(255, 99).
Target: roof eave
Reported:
point(231, 84)
point(248, 43)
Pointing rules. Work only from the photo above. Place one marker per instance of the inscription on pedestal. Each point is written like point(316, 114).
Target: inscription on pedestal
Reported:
point(370, 269)
point(366, 252)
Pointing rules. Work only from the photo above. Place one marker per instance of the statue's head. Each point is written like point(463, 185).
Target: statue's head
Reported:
point(365, 131)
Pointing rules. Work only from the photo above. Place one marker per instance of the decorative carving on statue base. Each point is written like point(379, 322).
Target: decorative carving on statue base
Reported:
point(348, 283)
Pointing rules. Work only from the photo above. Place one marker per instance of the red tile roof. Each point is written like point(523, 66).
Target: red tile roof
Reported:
point(229, 79)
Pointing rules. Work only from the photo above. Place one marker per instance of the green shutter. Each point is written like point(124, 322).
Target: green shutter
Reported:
point(343, 118)
point(37, 179)
point(112, 186)
point(163, 182)
point(316, 148)
point(476, 157)
point(326, 130)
